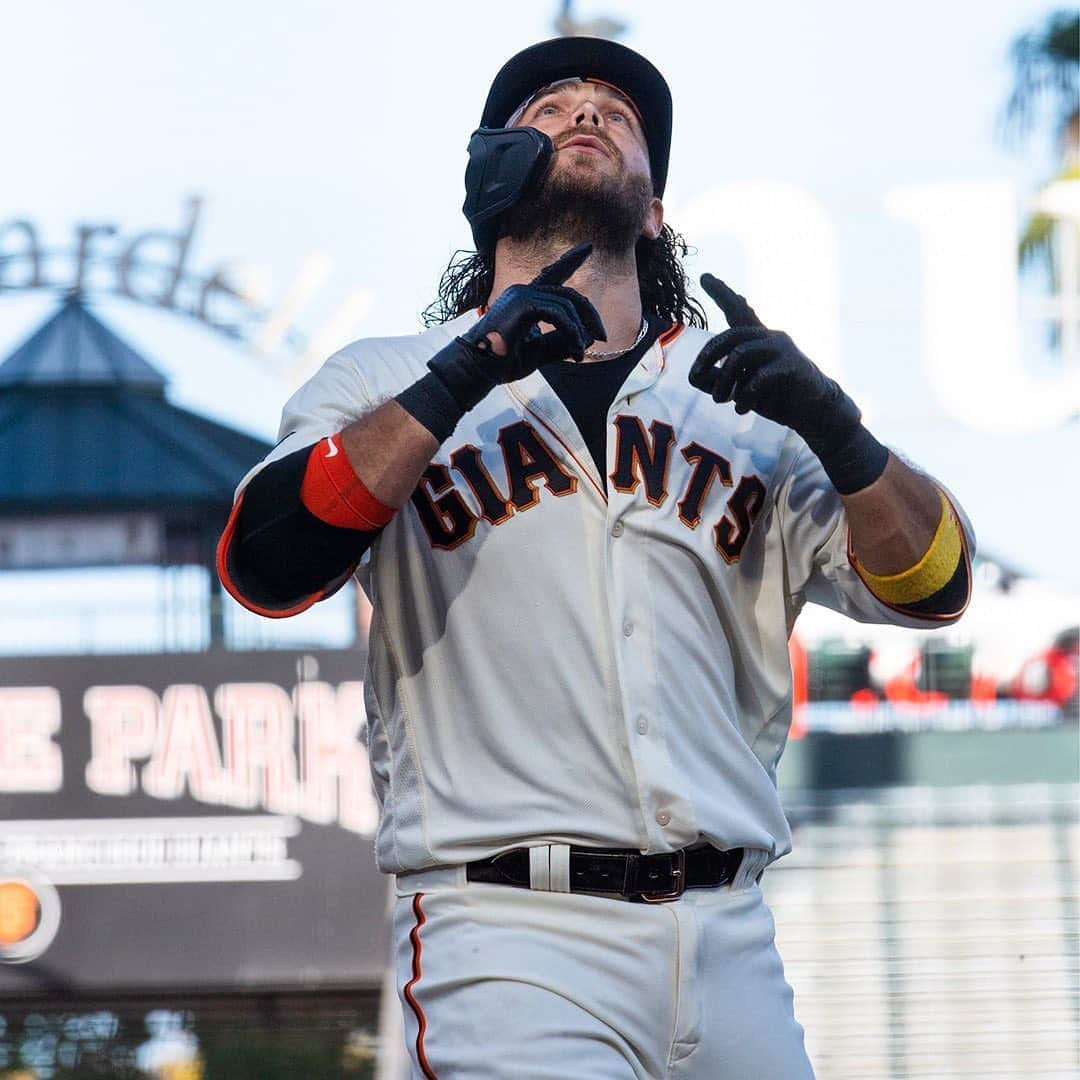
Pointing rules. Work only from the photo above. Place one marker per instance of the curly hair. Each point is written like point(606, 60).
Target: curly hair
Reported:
point(467, 280)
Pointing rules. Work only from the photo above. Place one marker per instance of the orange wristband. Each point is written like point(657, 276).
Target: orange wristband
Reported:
point(335, 494)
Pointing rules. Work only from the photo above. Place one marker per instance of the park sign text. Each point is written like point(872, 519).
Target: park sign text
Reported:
point(242, 745)
point(187, 820)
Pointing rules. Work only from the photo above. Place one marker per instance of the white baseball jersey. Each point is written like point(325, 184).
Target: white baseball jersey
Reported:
point(553, 663)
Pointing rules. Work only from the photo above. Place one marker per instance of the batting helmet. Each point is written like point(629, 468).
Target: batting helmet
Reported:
point(505, 161)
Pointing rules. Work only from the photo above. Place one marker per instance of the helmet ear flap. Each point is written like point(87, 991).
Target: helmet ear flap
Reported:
point(504, 163)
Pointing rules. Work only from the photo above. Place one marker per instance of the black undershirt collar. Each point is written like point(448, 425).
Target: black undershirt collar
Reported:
point(587, 390)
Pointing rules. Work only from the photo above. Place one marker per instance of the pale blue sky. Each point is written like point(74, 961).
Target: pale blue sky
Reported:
point(340, 128)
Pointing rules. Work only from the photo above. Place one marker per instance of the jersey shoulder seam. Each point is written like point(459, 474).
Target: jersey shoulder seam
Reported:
point(358, 352)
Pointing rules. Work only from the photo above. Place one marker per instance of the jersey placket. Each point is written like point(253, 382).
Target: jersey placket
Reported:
point(541, 404)
point(667, 815)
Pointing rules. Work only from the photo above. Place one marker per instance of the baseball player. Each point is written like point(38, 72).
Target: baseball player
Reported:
point(586, 526)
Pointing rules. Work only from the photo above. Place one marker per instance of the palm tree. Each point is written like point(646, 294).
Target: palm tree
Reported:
point(1046, 65)
point(1046, 73)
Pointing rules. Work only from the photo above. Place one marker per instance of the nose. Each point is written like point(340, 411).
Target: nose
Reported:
point(587, 114)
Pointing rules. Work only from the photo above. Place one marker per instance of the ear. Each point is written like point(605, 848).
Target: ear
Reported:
point(654, 220)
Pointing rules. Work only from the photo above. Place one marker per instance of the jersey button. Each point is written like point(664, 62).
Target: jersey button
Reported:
point(627, 628)
point(642, 726)
point(617, 529)
point(662, 817)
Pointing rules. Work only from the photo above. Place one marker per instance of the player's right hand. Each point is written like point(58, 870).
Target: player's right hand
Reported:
point(508, 342)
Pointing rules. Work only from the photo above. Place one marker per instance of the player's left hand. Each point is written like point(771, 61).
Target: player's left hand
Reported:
point(764, 370)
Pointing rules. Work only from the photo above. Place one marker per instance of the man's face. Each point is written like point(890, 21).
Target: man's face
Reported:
point(596, 130)
point(599, 186)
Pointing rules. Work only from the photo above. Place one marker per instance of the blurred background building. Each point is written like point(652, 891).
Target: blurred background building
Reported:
point(187, 886)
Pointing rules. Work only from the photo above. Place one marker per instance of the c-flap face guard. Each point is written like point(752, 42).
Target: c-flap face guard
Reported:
point(504, 163)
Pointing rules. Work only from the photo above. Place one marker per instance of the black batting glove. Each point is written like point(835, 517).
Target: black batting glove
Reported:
point(466, 370)
point(764, 371)
point(515, 315)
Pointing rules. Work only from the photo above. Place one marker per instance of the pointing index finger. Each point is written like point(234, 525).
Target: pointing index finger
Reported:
point(564, 266)
point(735, 308)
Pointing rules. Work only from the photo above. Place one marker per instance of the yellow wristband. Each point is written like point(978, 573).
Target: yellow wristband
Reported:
point(931, 573)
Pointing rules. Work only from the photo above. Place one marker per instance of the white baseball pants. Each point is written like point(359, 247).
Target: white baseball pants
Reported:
point(499, 982)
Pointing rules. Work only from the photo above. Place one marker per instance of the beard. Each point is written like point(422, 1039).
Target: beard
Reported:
point(573, 206)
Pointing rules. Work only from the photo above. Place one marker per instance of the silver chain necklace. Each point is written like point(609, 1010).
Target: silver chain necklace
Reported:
point(619, 352)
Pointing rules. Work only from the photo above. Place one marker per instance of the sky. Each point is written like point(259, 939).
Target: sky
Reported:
point(338, 130)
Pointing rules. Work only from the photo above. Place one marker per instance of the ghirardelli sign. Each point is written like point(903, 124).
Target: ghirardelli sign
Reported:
point(157, 267)
point(151, 267)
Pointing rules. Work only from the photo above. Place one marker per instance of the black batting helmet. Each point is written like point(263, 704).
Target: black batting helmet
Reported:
point(504, 161)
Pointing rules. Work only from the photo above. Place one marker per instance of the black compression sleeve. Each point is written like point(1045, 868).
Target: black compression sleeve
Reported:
point(283, 552)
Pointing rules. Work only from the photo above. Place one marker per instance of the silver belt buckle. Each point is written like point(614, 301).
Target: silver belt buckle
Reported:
point(679, 875)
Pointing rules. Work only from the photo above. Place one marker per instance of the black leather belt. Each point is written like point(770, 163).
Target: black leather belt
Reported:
point(651, 879)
